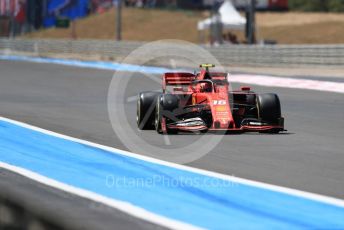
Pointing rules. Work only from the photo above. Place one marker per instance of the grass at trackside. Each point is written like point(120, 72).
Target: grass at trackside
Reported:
point(304, 28)
point(148, 25)
point(138, 24)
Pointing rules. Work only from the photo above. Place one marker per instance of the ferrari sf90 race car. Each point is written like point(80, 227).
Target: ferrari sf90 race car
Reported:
point(202, 102)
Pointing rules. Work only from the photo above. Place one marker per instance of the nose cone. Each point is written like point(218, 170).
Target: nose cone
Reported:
point(223, 124)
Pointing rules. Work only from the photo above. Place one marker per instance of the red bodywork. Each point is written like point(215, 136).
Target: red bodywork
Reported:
point(210, 93)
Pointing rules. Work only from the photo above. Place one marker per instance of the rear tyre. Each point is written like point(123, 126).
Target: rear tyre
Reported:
point(169, 102)
point(146, 110)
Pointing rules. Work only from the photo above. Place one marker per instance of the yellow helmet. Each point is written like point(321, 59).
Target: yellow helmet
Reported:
point(206, 65)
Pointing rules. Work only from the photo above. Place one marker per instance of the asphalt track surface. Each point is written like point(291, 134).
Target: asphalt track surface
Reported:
point(73, 101)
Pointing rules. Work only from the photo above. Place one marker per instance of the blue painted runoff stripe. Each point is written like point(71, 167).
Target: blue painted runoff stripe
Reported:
point(182, 195)
point(89, 64)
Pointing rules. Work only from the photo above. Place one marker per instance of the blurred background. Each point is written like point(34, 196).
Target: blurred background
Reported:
point(200, 21)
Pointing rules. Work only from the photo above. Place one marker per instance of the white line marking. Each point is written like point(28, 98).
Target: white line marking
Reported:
point(284, 82)
point(117, 204)
point(307, 195)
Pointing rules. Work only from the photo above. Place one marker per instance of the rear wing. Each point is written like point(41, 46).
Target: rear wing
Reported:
point(177, 79)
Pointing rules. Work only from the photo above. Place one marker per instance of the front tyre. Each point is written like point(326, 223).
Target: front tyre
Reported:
point(165, 103)
point(145, 110)
point(269, 107)
point(158, 116)
point(269, 110)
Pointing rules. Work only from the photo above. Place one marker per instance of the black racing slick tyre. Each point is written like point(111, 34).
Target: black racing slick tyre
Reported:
point(164, 104)
point(269, 107)
point(145, 112)
point(169, 102)
point(158, 115)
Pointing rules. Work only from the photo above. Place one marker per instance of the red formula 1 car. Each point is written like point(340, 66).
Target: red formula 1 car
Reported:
point(202, 102)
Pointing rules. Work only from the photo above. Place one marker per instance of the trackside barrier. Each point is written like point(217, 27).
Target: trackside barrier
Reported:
point(245, 55)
